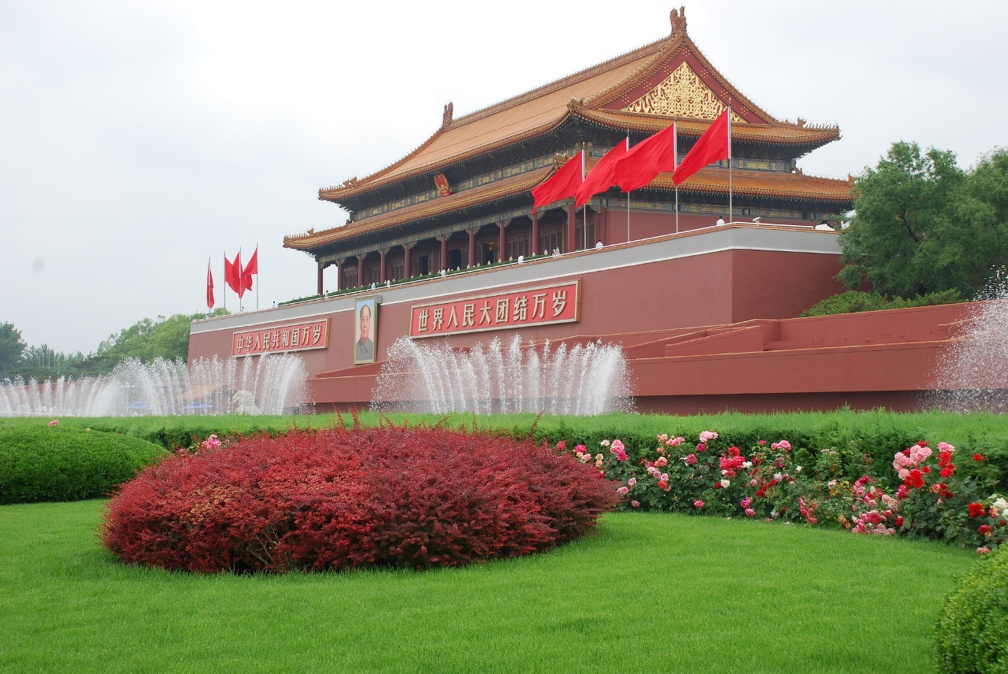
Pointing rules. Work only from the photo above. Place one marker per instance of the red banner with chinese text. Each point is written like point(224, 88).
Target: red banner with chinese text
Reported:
point(281, 338)
point(533, 306)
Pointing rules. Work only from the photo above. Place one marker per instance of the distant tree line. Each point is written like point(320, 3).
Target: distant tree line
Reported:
point(146, 340)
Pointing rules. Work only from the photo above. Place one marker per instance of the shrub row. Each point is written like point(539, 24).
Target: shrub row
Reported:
point(360, 497)
point(59, 463)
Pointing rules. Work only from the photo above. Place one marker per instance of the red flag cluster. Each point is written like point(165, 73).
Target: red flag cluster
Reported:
point(240, 279)
point(633, 168)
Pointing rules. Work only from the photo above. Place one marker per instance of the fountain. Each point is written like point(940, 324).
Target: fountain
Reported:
point(270, 384)
point(583, 379)
point(972, 374)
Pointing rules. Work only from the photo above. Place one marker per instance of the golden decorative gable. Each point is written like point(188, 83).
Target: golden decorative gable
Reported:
point(681, 94)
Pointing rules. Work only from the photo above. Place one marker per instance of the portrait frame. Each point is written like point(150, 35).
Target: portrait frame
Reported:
point(364, 349)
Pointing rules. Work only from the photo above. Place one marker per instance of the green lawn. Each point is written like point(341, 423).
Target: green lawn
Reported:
point(645, 592)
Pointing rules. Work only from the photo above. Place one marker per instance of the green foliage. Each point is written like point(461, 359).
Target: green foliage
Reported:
point(972, 631)
point(11, 349)
point(923, 225)
point(65, 463)
point(147, 340)
point(854, 301)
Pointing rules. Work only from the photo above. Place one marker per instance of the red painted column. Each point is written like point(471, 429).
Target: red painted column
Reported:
point(472, 247)
point(319, 288)
point(407, 270)
point(339, 275)
point(534, 244)
point(502, 242)
point(360, 270)
point(571, 240)
point(444, 252)
point(382, 276)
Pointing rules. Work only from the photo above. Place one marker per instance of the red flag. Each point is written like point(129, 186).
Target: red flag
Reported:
point(714, 145)
point(209, 286)
point(646, 159)
point(562, 184)
point(601, 177)
point(251, 268)
point(232, 274)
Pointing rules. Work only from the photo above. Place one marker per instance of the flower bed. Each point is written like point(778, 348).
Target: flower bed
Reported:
point(353, 497)
point(933, 497)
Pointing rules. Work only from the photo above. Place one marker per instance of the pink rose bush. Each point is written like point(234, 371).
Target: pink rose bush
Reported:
point(776, 481)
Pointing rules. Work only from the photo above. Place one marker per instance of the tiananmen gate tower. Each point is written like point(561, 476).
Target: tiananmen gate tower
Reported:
point(700, 283)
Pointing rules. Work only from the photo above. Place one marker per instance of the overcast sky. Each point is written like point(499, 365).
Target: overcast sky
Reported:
point(140, 138)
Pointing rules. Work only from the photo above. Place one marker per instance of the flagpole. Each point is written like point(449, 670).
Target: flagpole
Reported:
point(584, 206)
point(675, 165)
point(241, 295)
point(731, 210)
point(225, 280)
point(257, 276)
point(628, 194)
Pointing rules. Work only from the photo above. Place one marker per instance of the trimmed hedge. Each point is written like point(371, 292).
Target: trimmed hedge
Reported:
point(347, 498)
point(972, 631)
point(65, 463)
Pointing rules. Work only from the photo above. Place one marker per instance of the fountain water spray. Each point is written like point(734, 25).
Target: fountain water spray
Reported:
point(269, 384)
point(972, 374)
point(583, 379)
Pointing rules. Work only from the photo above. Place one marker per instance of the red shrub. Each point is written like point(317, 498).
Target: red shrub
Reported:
point(345, 498)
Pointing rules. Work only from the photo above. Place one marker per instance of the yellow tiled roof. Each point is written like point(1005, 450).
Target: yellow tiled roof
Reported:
point(589, 95)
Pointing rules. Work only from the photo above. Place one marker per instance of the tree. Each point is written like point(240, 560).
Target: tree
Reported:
point(898, 206)
point(147, 340)
point(922, 225)
point(12, 349)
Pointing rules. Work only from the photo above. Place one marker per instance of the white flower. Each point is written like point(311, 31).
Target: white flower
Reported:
point(798, 469)
point(725, 484)
point(747, 465)
point(777, 476)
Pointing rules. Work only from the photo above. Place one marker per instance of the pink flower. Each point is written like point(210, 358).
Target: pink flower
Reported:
point(750, 512)
point(698, 504)
point(580, 449)
point(690, 459)
point(211, 443)
point(701, 447)
point(983, 550)
point(663, 485)
point(945, 447)
point(622, 456)
point(675, 442)
point(54, 422)
point(745, 503)
point(623, 490)
point(562, 446)
point(617, 446)
point(706, 436)
point(781, 444)
point(635, 504)
point(661, 461)
point(631, 482)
